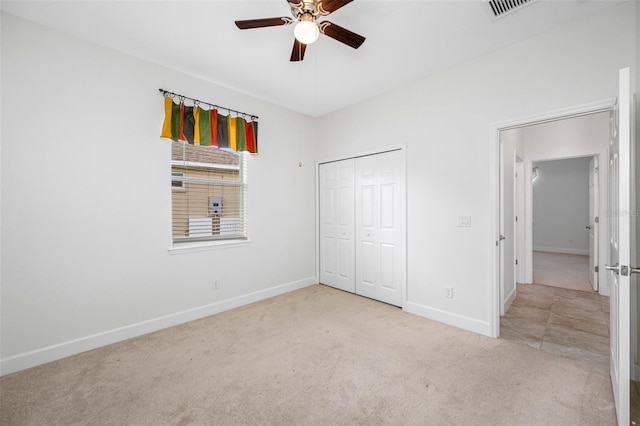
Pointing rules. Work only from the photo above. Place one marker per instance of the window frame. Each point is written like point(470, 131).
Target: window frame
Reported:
point(213, 241)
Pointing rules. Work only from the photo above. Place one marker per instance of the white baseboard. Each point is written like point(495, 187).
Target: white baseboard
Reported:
point(561, 250)
point(40, 356)
point(460, 321)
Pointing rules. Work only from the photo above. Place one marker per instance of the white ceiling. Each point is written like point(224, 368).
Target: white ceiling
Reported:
point(406, 40)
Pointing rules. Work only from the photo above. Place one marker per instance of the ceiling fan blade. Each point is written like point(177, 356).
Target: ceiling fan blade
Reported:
point(263, 22)
point(343, 35)
point(329, 6)
point(297, 54)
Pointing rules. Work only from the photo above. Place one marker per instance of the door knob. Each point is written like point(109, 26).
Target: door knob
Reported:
point(613, 268)
point(588, 227)
point(502, 237)
point(634, 270)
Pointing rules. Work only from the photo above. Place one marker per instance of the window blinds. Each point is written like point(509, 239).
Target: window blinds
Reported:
point(208, 188)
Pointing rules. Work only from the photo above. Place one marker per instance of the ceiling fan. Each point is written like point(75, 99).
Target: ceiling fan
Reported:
point(307, 29)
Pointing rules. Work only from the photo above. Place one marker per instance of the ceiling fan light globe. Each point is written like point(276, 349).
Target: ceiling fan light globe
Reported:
point(306, 32)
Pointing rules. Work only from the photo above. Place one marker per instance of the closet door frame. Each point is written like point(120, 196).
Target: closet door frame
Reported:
point(403, 203)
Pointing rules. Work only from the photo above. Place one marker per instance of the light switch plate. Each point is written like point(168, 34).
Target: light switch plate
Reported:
point(464, 221)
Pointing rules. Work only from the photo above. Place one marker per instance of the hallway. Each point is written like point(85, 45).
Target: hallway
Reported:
point(568, 271)
point(560, 313)
point(570, 323)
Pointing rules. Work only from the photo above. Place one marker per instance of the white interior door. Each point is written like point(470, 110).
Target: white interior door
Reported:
point(521, 260)
point(593, 222)
point(508, 225)
point(380, 227)
point(337, 258)
point(620, 246)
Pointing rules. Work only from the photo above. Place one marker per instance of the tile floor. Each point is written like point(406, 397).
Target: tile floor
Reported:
point(635, 403)
point(561, 270)
point(570, 323)
point(564, 316)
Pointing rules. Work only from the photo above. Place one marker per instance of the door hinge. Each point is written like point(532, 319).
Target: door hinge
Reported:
point(597, 219)
point(597, 269)
point(516, 261)
point(516, 218)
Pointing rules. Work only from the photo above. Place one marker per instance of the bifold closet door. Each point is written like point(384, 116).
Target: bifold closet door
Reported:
point(337, 203)
point(380, 227)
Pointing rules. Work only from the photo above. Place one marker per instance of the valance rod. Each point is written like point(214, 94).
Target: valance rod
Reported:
point(199, 102)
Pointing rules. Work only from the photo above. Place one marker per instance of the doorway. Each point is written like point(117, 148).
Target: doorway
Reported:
point(535, 309)
point(578, 137)
point(616, 226)
point(565, 223)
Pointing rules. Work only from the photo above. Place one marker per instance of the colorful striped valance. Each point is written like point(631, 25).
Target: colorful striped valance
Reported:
point(200, 126)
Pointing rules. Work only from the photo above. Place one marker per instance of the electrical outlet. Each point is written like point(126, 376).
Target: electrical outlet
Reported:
point(215, 285)
point(448, 292)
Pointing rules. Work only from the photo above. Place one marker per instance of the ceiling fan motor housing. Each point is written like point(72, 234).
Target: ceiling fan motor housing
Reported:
point(303, 8)
point(306, 16)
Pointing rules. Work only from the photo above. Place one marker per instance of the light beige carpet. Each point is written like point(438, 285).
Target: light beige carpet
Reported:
point(315, 356)
point(561, 270)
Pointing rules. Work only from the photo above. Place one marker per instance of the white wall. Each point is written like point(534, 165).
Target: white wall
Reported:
point(578, 136)
point(86, 207)
point(561, 206)
point(446, 120)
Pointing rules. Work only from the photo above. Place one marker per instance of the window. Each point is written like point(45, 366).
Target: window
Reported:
point(208, 193)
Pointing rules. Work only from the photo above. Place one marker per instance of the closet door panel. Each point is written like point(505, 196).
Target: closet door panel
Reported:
point(345, 257)
point(380, 227)
point(337, 258)
point(366, 263)
point(327, 219)
point(367, 206)
point(387, 266)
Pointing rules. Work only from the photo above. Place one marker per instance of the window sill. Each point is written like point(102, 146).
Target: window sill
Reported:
point(183, 248)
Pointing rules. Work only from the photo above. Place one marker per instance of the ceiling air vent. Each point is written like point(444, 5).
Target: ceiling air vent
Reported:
point(500, 8)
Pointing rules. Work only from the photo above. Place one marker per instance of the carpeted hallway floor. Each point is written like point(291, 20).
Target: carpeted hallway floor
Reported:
point(316, 356)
